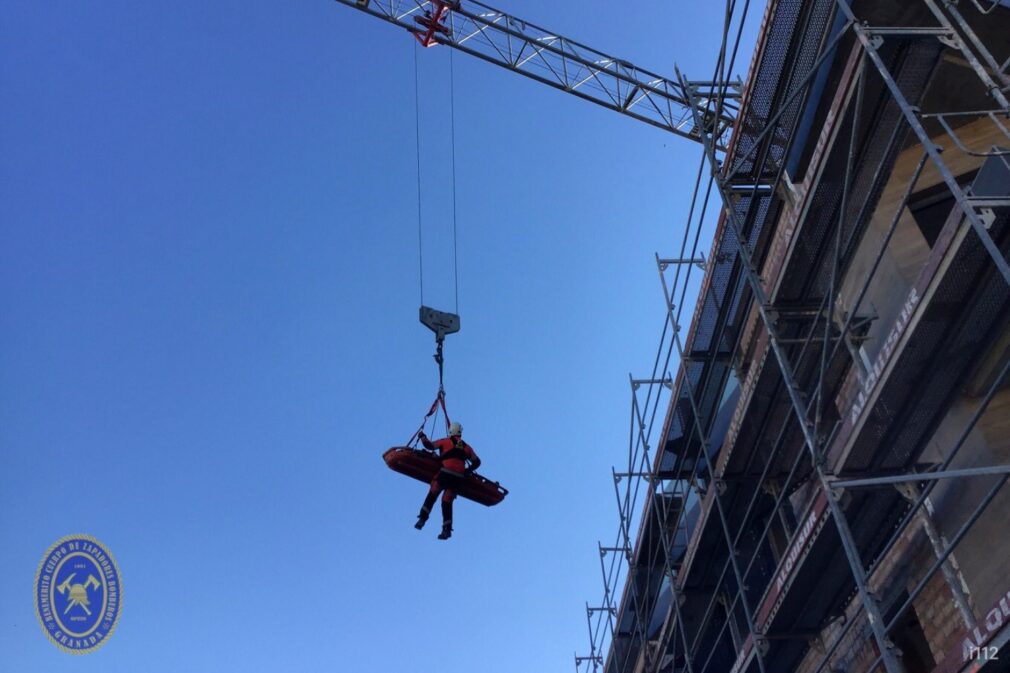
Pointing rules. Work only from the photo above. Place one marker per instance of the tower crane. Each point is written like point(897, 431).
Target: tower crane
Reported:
point(701, 111)
point(520, 46)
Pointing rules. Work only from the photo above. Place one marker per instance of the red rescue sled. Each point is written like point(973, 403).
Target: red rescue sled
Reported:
point(424, 465)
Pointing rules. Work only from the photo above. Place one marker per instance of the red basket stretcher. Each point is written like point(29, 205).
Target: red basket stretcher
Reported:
point(424, 465)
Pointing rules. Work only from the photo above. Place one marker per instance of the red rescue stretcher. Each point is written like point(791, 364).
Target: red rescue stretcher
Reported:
point(424, 465)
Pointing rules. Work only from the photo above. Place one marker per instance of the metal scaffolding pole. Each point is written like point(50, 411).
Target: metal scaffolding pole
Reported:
point(871, 41)
point(803, 406)
point(990, 470)
point(703, 439)
point(778, 502)
point(642, 440)
point(647, 473)
point(917, 477)
point(910, 492)
point(703, 442)
point(670, 303)
point(891, 662)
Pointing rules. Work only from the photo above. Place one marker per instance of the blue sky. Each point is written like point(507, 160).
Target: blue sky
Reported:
point(208, 327)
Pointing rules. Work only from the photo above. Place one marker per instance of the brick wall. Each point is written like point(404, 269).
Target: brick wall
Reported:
point(935, 607)
point(899, 572)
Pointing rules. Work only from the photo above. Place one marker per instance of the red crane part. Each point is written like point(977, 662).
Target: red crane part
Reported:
point(431, 24)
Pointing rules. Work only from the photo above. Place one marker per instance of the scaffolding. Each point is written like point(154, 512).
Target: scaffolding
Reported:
point(808, 484)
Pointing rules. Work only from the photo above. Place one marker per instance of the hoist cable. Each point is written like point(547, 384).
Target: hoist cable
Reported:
point(452, 137)
point(417, 153)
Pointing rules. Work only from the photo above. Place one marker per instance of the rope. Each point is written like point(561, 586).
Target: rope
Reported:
point(435, 406)
point(417, 153)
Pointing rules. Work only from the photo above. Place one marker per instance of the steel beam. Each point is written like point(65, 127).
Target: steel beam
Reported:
point(916, 477)
point(559, 62)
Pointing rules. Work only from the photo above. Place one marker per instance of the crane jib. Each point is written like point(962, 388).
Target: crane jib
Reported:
point(522, 47)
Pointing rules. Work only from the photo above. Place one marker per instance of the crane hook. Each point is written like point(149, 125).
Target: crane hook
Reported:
point(441, 323)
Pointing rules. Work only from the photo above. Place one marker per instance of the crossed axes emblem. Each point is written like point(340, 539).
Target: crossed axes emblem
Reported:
point(78, 592)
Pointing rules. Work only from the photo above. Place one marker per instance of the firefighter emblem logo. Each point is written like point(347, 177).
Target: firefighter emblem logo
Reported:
point(78, 594)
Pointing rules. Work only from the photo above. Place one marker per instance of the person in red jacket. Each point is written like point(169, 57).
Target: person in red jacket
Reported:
point(454, 454)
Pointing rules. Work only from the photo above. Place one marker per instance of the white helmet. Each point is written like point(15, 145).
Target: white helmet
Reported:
point(455, 429)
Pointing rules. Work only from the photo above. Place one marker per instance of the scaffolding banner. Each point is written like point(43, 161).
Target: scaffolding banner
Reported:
point(798, 549)
point(978, 646)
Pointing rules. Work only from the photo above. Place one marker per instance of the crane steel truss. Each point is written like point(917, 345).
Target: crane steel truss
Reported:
point(562, 63)
point(799, 358)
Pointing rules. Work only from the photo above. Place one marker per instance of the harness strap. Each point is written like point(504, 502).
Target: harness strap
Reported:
point(439, 402)
point(455, 452)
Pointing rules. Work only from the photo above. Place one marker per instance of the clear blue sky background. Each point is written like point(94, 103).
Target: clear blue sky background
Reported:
point(208, 327)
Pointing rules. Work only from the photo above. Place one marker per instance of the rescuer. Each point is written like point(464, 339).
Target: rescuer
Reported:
point(454, 455)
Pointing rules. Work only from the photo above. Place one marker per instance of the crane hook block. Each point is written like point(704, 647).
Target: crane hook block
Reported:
point(439, 322)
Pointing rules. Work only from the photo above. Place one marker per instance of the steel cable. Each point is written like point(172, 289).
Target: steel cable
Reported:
point(417, 154)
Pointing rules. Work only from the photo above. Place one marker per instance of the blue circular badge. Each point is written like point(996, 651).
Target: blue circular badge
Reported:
point(78, 594)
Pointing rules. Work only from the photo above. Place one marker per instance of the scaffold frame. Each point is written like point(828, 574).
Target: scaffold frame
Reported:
point(802, 362)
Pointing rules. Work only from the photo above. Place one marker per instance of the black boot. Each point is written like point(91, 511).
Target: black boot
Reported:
point(446, 530)
point(446, 521)
point(422, 516)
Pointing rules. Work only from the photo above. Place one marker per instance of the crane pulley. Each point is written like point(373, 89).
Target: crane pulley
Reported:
point(432, 22)
point(442, 324)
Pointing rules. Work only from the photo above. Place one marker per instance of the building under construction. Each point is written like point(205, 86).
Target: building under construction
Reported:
point(817, 464)
point(816, 467)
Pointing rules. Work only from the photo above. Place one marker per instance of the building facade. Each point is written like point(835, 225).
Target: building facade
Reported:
point(828, 490)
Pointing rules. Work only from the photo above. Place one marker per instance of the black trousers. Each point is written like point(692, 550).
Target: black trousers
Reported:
point(445, 482)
